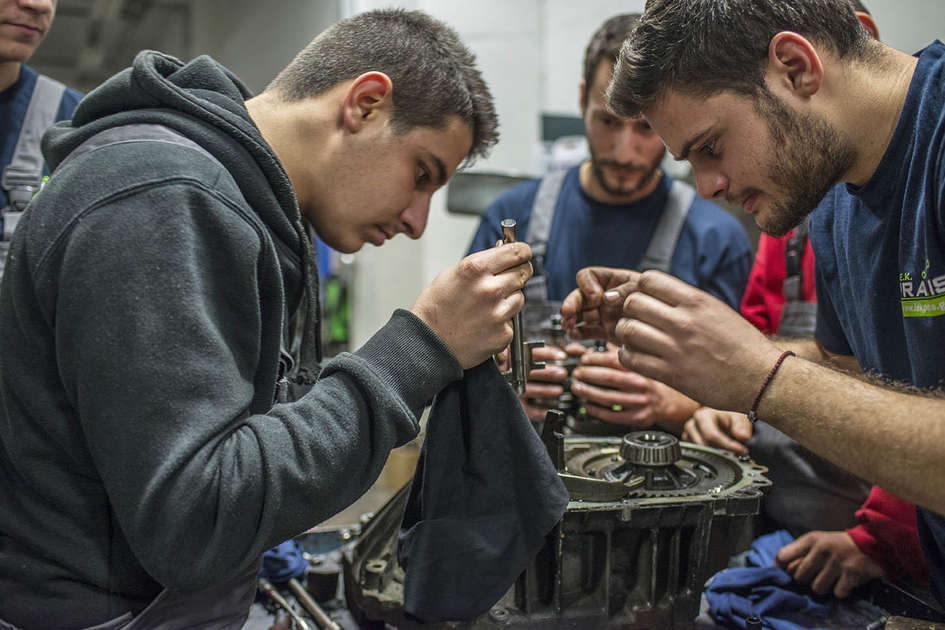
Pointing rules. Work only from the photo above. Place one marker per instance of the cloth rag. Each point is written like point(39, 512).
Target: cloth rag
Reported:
point(281, 564)
point(766, 591)
point(483, 499)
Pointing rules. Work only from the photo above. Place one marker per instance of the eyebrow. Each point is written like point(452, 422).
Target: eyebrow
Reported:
point(687, 147)
point(440, 168)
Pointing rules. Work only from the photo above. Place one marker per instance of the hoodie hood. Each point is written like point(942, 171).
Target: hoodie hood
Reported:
point(205, 102)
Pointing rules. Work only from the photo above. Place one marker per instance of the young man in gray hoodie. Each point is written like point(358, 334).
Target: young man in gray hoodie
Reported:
point(149, 452)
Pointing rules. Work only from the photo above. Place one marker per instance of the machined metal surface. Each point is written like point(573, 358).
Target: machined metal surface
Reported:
point(630, 552)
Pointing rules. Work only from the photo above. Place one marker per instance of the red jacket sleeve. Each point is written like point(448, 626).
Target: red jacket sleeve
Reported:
point(764, 296)
point(887, 533)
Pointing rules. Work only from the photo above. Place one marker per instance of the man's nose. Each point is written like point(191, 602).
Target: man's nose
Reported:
point(415, 216)
point(39, 6)
point(627, 145)
point(710, 183)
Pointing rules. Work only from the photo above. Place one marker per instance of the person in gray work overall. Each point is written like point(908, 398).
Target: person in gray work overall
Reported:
point(617, 209)
point(29, 103)
point(150, 451)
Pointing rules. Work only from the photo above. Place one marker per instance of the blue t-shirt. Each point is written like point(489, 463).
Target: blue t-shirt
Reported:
point(880, 253)
point(713, 251)
point(13, 104)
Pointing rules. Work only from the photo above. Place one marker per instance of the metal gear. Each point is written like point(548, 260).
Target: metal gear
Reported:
point(695, 471)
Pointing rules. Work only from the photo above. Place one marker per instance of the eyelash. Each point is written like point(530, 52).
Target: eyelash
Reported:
point(423, 177)
point(708, 149)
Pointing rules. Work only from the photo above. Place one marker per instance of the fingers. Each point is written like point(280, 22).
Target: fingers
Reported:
point(651, 310)
point(603, 359)
point(613, 378)
point(642, 337)
point(665, 288)
point(589, 284)
point(808, 563)
point(793, 551)
point(848, 581)
point(575, 349)
point(501, 258)
point(690, 433)
point(549, 353)
point(740, 426)
point(549, 374)
point(712, 427)
point(825, 578)
point(607, 397)
point(598, 287)
point(571, 308)
point(537, 390)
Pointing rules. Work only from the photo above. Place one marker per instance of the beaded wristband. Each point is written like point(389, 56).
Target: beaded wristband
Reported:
point(753, 413)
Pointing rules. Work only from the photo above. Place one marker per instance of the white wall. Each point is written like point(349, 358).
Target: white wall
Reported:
point(258, 39)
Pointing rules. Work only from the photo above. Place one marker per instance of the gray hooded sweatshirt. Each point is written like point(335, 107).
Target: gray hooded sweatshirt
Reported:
point(141, 317)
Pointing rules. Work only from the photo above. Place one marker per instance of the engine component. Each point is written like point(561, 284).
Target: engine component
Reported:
point(650, 519)
point(520, 351)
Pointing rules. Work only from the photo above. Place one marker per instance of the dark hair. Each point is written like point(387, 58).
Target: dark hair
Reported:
point(434, 74)
point(859, 6)
point(605, 45)
point(703, 47)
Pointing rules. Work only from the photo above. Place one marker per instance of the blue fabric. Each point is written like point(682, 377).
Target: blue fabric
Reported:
point(13, 104)
point(880, 253)
point(713, 252)
point(764, 549)
point(281, 564)
point(765, 591)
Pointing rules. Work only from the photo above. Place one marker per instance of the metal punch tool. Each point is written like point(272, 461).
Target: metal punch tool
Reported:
point(520, 351)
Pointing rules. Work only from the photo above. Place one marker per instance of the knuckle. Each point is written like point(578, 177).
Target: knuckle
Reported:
point(471, 267)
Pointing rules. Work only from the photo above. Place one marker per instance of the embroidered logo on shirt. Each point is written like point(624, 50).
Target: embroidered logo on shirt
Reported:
point(922, 295)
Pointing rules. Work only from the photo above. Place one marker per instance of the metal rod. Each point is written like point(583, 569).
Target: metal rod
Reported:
point(519, 369)
point(269, 590)
point(321, 619)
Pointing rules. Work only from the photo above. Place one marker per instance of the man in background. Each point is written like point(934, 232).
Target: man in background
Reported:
point(617, 208)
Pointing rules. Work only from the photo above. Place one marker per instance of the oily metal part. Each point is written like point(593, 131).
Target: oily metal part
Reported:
point(699, 471)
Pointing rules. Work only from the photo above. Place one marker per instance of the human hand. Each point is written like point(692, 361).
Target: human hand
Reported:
point(721, 429)
point(471, 304)
point(547, 384)
point(614, 394)
point(828, 561)
point(693, 342)
point(597, 303)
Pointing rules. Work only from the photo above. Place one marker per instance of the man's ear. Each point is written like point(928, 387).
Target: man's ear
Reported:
point(794, 65)
point(867, 21)
point(368, 96)
point(583, 97)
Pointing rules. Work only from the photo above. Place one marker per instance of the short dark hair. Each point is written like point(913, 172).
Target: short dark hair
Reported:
point(703, 47)
point(434, 74)
point(859, 6)
point(605, 45)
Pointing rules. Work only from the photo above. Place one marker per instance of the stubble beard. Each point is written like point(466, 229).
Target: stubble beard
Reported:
point(650, 172)
point(812, 159)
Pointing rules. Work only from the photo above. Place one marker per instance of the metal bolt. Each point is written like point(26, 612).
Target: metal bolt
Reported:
point(499, 614)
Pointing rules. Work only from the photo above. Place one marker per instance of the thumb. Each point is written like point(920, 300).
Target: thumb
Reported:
point(589, 286)
point(741, 427)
